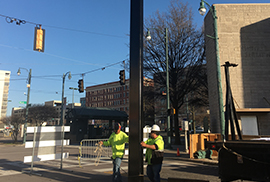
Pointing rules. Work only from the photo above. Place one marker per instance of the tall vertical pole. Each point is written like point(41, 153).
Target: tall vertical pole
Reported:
point(72, 98)
point(135, 157)
point(62, 104)
point(62, 118)
point(168, 91)
point(184, 123)
point(27, 105)
point(220, 95)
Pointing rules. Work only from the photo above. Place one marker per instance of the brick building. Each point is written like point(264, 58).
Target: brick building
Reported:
point(110, 95)
point(113, 95)
point(244, 39)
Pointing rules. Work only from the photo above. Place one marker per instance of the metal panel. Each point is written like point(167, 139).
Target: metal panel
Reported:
point(135, 165)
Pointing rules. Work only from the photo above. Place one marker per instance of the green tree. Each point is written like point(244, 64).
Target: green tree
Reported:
point(16, 122)
point(185, 52)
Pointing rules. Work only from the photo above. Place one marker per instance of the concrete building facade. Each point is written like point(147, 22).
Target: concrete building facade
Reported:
point(56, 104)
point(244, 39)
point(4, 88)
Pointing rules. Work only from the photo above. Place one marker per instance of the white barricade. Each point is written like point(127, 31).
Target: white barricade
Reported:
point(45, 141)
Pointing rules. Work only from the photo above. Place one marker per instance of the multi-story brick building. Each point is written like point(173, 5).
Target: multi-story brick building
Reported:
point(244, 39)
point(110, 95)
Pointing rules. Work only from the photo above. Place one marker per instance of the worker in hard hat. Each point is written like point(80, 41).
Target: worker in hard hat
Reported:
point(117, 140)
point(154, 153)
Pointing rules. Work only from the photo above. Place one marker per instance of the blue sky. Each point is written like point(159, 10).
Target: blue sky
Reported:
point(100, 40)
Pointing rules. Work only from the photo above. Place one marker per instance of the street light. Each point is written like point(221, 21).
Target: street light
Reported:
point(61, 119)
point(71, 88)
point(148, 37)
point(202, 11)
point(62, 103)
point(27, 102)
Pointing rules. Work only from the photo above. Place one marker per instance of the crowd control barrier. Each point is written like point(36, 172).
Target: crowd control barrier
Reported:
point(90, 149)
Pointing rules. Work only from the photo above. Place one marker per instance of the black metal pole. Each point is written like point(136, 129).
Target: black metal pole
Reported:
point(135, 165)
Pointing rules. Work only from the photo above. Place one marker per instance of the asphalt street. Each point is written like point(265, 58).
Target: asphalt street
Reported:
point(11, 162)
point(13, 169)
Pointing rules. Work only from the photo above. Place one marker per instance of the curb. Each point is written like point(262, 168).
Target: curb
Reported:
point(203, 161)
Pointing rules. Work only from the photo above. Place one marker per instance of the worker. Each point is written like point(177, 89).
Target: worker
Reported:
point(154, 153)
point(117, 141)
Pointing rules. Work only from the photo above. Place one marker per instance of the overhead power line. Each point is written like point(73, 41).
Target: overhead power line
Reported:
point(19, 22)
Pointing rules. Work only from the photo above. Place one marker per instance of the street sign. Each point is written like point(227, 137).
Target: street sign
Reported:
point(22, 102)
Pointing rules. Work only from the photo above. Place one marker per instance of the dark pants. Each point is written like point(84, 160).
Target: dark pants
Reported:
point(153, 172)
point(116, 170)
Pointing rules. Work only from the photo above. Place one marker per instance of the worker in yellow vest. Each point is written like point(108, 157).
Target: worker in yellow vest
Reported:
point(117, 141)
point(154, 153)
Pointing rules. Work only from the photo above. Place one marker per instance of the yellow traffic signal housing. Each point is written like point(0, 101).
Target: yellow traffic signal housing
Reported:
point(80, 86)
point(39, 39)
point(122, 77)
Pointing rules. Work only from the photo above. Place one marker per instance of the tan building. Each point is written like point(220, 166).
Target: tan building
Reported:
point(18, 111)
point(244, 39)
point(4, 88)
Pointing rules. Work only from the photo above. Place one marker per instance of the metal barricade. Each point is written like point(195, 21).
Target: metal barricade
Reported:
point(7, 133)
point(90, 149)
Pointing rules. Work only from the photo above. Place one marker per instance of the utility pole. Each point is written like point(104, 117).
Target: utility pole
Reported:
point(27, 102)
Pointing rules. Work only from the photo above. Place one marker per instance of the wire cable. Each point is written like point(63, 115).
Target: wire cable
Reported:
point(19, 22)
point(245, 157)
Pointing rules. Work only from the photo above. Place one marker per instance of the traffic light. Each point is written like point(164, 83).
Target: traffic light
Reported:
point(122, 77)
point(171, 111)
point(39, 39)
point(80, 86)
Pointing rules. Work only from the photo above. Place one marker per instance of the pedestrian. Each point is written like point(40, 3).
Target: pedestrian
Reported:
point(117, 141)
point(154, 154)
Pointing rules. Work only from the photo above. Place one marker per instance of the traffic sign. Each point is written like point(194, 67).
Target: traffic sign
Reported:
point(22, 102)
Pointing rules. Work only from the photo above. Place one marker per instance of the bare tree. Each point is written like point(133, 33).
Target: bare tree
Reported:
point(41, 113)
point(16, 122)
point(185, 53)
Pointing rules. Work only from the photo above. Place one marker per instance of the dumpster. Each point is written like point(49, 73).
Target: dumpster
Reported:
point(244, 159)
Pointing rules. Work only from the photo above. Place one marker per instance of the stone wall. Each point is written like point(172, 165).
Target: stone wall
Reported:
point(244, 39)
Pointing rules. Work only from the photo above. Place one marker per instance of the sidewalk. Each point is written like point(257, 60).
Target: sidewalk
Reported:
point(168, 153)
point(172, 154)
point(86, 174)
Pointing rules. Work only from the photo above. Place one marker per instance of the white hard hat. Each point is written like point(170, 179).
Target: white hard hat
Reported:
point(155, 128)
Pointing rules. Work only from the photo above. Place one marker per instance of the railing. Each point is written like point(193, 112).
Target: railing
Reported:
point(90, 149)
point(7, 133)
